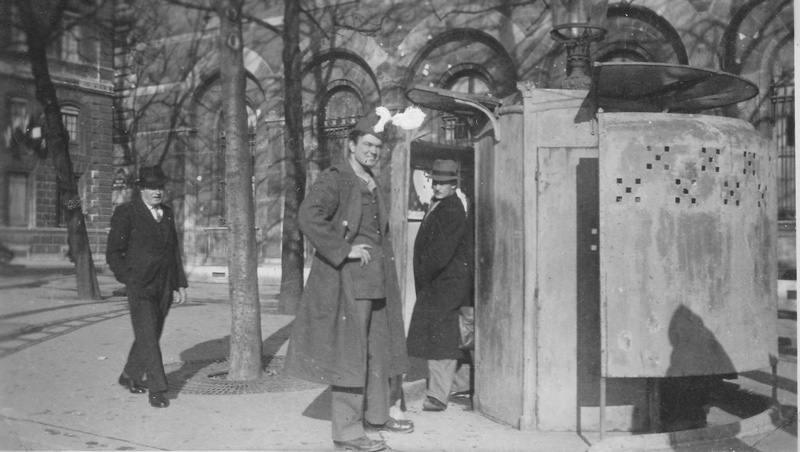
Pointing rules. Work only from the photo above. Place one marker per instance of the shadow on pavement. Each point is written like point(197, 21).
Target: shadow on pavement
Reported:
point(217, 351)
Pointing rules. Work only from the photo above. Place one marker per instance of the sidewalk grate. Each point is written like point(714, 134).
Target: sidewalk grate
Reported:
point(209, 377)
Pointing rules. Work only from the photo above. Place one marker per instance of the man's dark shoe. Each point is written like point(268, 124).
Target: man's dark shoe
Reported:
point(362, 444)
point(158, 400)
point(433, 404)
point(392, 425)
point(131, 385)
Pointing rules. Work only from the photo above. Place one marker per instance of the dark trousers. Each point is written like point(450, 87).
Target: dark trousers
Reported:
point(350, 407)
point(148, 313)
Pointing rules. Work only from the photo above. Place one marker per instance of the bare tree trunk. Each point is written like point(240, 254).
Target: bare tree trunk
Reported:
point(292, 250)
point(245, 357)
point(39, 20)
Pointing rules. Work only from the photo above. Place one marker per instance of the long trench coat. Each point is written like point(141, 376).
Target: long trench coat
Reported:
point(443, 278)
point(327, 344)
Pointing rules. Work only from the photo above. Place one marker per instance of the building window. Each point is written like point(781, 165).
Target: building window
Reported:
point(465, 78)
point(782, 97)
point(17, 36)
point(341, 110)
point(69, 116)
point(220, 183)
point(18, 199)
point(70, 45)
point(61, 201)
point(19, 114)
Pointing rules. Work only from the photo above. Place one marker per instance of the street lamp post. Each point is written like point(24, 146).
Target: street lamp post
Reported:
point(578, 23)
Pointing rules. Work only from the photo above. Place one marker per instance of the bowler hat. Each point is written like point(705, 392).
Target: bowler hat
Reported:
point(151, 177)
point(444, 170)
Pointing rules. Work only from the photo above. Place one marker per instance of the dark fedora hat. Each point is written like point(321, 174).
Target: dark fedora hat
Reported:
point(444, 171)
point(151, 177)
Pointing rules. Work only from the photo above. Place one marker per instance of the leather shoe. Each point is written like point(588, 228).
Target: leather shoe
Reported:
point(131, 385)
point(362, 444)
point(392, 425)
point(433, 404)
point(158, 400)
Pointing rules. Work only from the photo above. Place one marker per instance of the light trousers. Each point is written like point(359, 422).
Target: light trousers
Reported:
point(350, 407)
point(446, 375)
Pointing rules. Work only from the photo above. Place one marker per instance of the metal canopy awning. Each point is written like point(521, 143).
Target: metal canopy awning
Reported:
point(463, 104)
point(659, 87)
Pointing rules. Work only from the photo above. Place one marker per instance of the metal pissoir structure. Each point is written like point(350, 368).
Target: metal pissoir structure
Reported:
point(616, 248)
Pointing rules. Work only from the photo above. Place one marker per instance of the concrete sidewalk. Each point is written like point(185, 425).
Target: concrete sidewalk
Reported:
point(60, 358)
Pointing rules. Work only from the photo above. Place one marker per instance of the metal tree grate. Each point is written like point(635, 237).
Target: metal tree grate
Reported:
point(210, 377)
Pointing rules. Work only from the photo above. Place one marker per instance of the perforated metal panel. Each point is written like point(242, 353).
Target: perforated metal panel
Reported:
point(687, 246)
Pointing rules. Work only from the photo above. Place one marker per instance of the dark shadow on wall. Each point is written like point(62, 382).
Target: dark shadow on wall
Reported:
point(695, 381)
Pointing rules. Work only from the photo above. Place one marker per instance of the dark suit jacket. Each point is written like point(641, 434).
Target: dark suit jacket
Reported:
point(142, 252)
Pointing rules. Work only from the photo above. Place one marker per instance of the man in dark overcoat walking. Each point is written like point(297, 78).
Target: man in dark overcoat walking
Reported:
point(143, 253)
point(443, 278)
point(348, 331)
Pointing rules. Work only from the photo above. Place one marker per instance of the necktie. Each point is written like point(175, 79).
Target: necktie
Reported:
point(157, 213)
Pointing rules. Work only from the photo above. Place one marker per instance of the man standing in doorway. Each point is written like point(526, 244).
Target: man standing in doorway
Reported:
point(348, 332)
point(143, 254)
point(443, 280)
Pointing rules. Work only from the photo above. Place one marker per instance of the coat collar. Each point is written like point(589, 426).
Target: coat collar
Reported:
point(352, 179)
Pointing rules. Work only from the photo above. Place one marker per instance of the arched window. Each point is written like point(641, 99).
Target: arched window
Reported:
point(218, 208)
point(340, 109)
point(781, 94)
point(463, 78)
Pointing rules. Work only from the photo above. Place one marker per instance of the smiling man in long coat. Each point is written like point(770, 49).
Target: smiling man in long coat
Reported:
point(348, 332)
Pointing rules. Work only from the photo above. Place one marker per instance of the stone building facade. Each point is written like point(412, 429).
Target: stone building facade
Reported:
point(356, 56)
point(32, 222)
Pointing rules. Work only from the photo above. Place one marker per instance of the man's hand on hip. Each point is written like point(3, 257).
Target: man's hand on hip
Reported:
point(360, 252)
